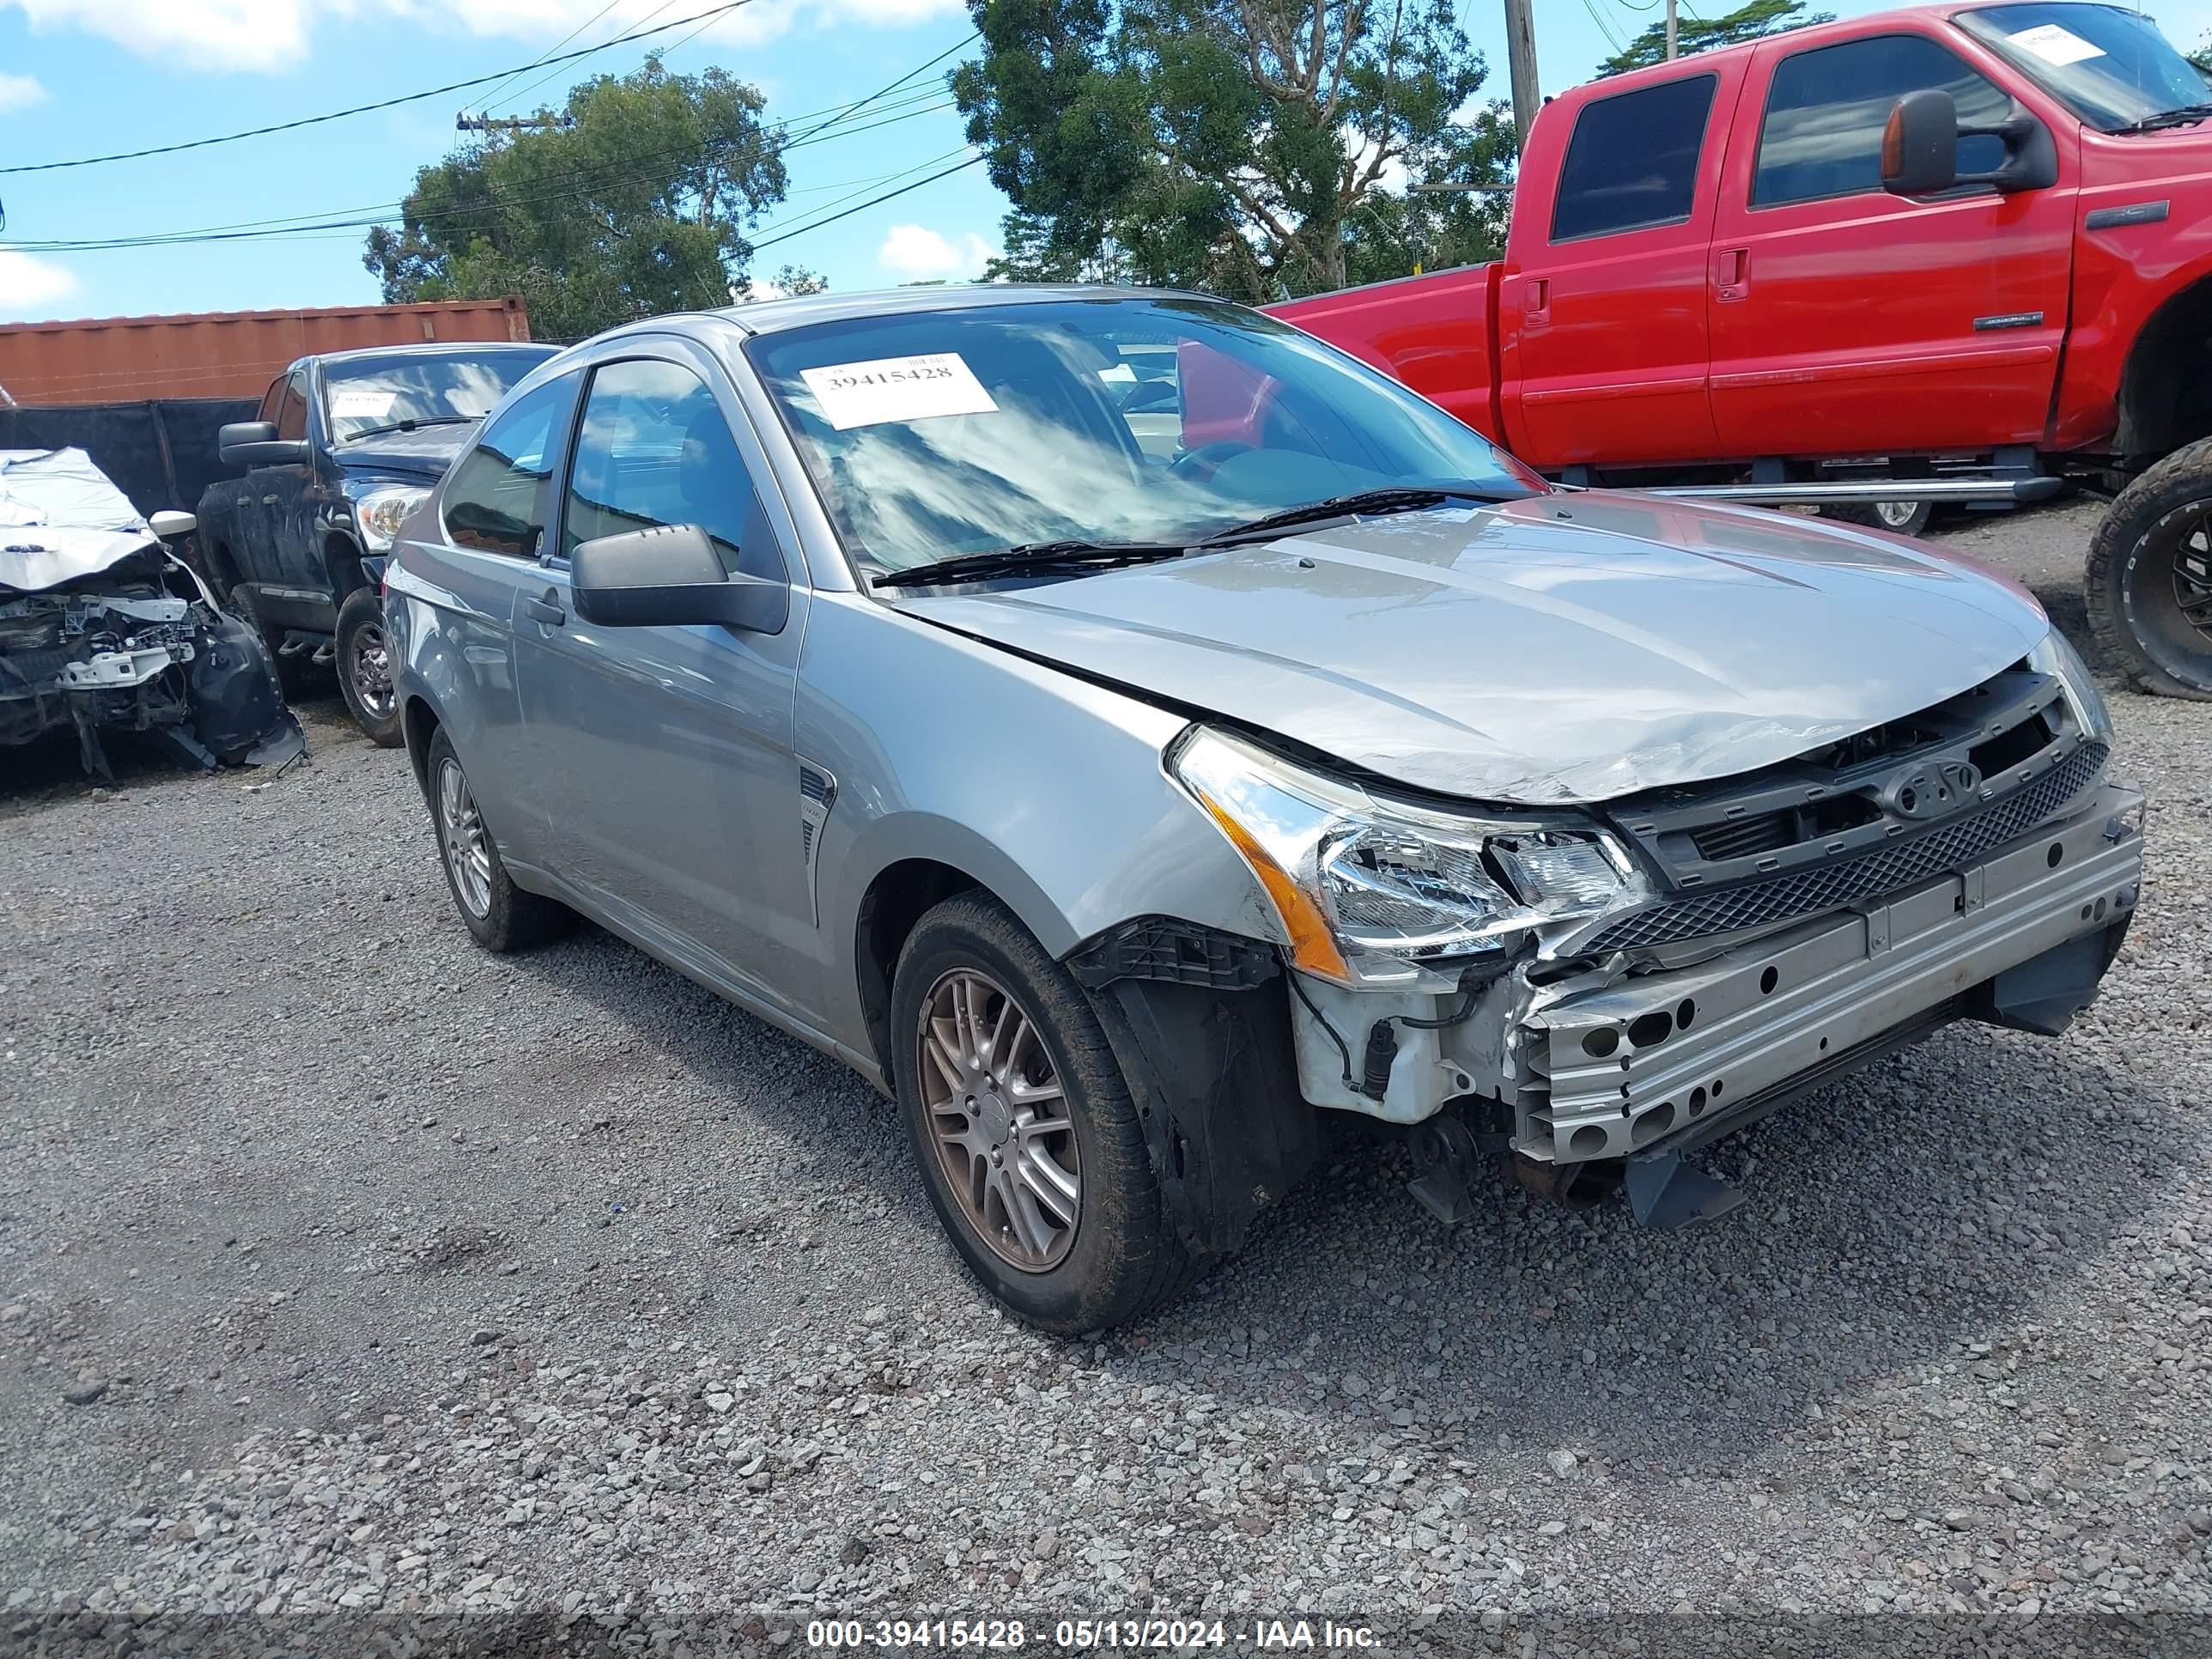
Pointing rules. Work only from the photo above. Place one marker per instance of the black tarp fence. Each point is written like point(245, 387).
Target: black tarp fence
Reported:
point(160, 454)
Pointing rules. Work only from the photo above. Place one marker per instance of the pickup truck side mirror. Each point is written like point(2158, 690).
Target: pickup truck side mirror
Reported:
point(669, 575)
point(1920, 148)
point(255, 443)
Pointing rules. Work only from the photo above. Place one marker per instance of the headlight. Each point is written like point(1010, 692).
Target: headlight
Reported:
point(379, 514)
point(1378, 892)
point(2055, 656)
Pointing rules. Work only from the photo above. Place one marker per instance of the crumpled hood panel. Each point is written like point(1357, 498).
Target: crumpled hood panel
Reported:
point(1571, 648)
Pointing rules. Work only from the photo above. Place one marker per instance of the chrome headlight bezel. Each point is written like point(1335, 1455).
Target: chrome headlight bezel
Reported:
point(2056, 656)
point(378, 512)
point(1376, 892)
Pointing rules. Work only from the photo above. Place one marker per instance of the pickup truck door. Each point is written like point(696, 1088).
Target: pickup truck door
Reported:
point(1846, 320)
point(1603, 307)
point(275, 496)
point(662, 757)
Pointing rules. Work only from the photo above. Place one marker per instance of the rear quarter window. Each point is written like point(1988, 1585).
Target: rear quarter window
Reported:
point(1633, 163)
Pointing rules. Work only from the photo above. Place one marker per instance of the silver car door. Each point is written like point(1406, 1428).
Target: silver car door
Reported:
point(663, 754)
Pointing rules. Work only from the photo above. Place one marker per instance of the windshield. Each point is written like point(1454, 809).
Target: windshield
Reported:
point(936, 433)
point(367, 393)
point(2110, 67)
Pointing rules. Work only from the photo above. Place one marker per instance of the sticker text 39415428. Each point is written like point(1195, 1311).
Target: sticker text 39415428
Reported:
point(897, 389)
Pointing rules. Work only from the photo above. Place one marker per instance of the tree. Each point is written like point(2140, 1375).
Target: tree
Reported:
point(637, 205)
point(791, 280)
point(1695, 34)
point(1248, 147)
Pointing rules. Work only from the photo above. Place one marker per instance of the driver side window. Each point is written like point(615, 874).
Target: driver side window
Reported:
point(653, 449)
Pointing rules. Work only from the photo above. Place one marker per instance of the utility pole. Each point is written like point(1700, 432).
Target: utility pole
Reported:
point(1670, 30)
point(466, 122)
point(1521, 60)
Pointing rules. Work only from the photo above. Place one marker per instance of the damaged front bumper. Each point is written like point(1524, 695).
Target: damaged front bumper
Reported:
point(105, 655)
point(1650, 1053)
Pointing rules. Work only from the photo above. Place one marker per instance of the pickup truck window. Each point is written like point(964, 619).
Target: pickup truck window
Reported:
point(2111, 68)
point(1633, 163)
point(292, 407)
point(1826, 109)
point(654, 449)
point(365, 396)
point(496, 502)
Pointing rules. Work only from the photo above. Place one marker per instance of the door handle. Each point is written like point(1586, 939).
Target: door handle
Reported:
point(545, 610)
point(269, 501)
point(1731, 273)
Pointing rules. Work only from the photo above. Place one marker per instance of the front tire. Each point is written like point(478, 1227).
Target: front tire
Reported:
point(1022, 1123)
point(2149, 582)
point(364, 665)
point(499, 916)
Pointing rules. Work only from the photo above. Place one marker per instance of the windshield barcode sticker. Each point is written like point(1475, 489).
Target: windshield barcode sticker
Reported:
point(361, 403)
point(2055, 44)
point(897, 389)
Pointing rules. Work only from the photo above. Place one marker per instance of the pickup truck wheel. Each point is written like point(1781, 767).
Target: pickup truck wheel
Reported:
point(2149, 583)
point(500, 916)
point(364, 663)
point(1028, 1143)
point(1899, 518)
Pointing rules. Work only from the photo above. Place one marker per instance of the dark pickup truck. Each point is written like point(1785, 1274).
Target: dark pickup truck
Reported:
point(346, 445)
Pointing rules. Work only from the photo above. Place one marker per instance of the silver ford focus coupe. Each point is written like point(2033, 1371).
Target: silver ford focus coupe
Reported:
point(1125, 729)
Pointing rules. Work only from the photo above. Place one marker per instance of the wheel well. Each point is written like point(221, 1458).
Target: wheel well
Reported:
point(221, 570)
point(2166, 392)
point(342, 559)
point(900, 896)
point(420, 722)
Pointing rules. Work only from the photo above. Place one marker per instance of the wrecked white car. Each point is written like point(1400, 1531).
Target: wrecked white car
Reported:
point(104, 630)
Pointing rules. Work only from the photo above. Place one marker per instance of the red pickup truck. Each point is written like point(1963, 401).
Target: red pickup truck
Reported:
point(1965, 246)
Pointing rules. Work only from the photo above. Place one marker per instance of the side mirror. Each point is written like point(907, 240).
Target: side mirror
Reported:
point(1920, 145)
point(255, 443)
point(169, 524)
point(1920, 148)
point(669, 575)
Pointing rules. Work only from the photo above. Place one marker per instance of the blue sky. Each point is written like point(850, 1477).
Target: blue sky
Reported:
point(79, 78)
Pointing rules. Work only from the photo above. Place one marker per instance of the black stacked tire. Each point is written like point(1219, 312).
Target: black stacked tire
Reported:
point(2149, 584)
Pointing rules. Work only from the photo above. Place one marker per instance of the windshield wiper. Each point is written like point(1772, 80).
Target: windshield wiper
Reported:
point(411, 425)
point(1030, 558)
point(1394, 498)
point(2187, 115)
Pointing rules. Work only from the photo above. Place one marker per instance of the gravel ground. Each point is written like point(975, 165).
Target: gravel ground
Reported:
point(344, 1266)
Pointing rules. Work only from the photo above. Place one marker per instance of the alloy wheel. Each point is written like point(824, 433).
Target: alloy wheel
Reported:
point(462, 838)
point(369, 666)
point(997, 1118)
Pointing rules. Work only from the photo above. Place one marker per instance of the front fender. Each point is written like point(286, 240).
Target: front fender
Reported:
point(1043, 788)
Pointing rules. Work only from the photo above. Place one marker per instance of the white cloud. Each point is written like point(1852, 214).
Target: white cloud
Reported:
point(20, 92)
point(29, 286)
point(269, 35)
point(916, 253)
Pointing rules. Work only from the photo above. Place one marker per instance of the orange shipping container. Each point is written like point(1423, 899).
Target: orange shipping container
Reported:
point(222, 354)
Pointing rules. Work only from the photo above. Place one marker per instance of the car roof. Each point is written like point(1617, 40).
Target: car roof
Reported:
point(1799, 39)
point(774, 316)
point(427, 348)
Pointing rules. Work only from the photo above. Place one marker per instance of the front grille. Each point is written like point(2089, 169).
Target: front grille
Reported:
point(1807, 892)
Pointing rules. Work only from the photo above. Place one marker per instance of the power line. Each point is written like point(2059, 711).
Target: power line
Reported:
point(365, 109)
point(491, 98)
point(515, 96)
point(878, 201)
point(305, 226)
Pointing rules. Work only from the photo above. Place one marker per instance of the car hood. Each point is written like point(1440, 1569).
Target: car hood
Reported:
point(423, 454)
point(1568, 647)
